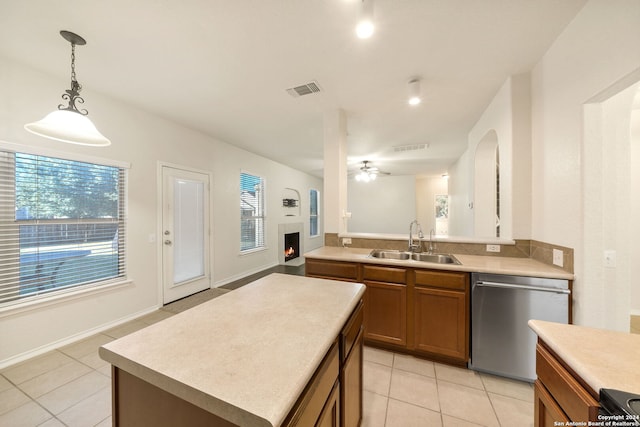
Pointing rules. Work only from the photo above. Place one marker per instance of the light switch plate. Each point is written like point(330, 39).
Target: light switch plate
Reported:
point(558, 258)
point(610, 258)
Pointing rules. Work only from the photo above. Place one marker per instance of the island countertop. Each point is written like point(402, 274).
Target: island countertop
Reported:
point(470, 263)
point(602, 358)
point(245, 356)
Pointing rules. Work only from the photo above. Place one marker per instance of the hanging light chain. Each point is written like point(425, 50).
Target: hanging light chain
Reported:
point(73, 95)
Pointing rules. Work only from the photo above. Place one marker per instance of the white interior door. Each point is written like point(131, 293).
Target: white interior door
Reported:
point(185, 233)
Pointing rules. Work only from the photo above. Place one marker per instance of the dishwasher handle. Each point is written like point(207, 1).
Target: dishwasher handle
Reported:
point(523, 287)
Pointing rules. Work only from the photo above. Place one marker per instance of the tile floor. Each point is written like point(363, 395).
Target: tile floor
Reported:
point(71, 386)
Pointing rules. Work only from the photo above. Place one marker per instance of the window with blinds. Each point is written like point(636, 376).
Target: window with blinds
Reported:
point(62, 225)
point(252, 212)
point(313, 213)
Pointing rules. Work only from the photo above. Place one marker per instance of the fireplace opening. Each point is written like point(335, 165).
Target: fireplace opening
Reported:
point(291, 246)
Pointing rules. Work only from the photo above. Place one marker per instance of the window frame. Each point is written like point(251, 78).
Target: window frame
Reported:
point(262, 217)
point(74, 291)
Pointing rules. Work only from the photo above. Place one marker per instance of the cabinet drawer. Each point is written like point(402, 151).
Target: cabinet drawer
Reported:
point(331, 269)
point(350, 331)
point(442, 279)
point(309, 407)
point(571, 396)
point(384, 274)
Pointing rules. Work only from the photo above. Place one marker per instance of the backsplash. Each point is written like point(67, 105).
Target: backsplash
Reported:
point(534, 249)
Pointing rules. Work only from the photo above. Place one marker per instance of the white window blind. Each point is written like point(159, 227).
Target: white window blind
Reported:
point(313, 212)
point(252, 212)
point(62, 225)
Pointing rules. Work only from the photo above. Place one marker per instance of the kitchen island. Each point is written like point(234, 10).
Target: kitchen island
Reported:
point(573, 363)
point(257, 356)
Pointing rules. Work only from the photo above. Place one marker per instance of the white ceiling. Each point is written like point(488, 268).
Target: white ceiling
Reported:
point(223, 66)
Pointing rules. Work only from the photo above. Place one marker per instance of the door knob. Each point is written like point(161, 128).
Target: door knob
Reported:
point(167, 242)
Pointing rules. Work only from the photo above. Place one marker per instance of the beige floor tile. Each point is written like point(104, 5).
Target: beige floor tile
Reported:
point(93, 360)
point(155, 317)
point(39, 365)
point(456, 375)
point(53, 379)
point(107, 422)
point(466, 403)
point(415, 389)
point(106, 370)
point(125, 329)
point(73, 392)
point(11, 399)
point(382, 357)
point(86, 346)
point(413, 364)
point(407, 415)
point(508, 387)
point(52, 422)
point(27, 415)
point(512, 412)
point(449, 421)
point(374, 409)
point(90, 411)
point(4, 384)
point(376, 378)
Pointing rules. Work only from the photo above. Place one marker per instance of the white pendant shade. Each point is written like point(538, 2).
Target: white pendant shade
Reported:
point(68, 126)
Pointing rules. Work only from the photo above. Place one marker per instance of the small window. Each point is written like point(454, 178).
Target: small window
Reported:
point(314, 205)
point(252, 212)
point(62, 225)
point(442, 214)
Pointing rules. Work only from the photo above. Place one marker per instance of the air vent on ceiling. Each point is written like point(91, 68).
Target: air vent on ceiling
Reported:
point(410, 147)
point(306, 89)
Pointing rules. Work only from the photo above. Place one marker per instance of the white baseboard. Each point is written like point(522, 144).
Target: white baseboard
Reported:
point(242, 275)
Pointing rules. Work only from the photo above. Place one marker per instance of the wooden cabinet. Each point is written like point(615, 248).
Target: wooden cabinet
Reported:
point(560, 395)
point(351, 384)
point(385, 302)
point(415, 310)
point(441, 320)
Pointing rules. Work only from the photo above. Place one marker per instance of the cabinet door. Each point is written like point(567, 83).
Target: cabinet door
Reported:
point(351, 383)
point(547, 412)
point(441, 322)
point(385, 317)
point(330, 415)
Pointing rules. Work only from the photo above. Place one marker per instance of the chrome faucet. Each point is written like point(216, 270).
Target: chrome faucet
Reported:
point(432, 247)
point(412, 246)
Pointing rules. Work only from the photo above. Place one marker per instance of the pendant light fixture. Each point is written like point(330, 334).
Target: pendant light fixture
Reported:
point(364, 28)
point(68, 123)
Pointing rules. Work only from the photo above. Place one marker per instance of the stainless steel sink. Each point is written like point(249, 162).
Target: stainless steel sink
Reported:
point(389, 254)
point(437, 258)
point(417, 256)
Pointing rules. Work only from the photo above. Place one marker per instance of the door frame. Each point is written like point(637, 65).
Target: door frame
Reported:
point(158, 237)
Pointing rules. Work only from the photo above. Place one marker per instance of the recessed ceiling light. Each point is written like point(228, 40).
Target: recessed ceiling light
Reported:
point(365, 28)
point(414, 92)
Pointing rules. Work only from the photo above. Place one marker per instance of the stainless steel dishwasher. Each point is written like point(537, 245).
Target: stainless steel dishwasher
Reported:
point(501, 306)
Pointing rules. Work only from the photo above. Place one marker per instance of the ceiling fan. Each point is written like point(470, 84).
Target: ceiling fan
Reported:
point(368, 173)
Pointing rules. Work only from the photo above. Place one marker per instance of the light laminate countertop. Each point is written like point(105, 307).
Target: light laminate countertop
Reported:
point(245, 356)
point(470, 263)
point(602, 358)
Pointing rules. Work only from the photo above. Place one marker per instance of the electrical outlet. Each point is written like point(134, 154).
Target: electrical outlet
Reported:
point(558, 257)
point(493, 248)
point(346, 240)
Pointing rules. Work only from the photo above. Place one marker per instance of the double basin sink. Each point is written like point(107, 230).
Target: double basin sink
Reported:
point(416, 256)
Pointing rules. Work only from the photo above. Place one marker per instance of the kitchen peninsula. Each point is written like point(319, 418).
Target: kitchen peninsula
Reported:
point(282, 350)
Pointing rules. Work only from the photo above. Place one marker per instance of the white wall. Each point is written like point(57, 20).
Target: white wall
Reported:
point(507, 118)
point(597, 49)
point(386, 205)
point(143, 140)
